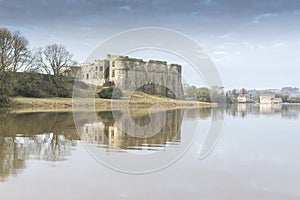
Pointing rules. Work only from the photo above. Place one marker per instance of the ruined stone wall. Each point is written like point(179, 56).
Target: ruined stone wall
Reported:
point(93, 73)
point(131, 74)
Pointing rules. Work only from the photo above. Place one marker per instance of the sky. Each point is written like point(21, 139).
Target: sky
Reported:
point(253, 44)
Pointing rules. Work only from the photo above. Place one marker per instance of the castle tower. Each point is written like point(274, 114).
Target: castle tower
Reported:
point(154, 77)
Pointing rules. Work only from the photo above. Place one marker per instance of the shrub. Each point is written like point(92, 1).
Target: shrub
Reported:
point(110, 93)
point(4, 101)
point(35, 85)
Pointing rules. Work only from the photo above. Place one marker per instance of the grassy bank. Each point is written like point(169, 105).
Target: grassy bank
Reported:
point(138, 100)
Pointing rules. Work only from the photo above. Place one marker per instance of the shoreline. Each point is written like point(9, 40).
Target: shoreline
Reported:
point(137, 101)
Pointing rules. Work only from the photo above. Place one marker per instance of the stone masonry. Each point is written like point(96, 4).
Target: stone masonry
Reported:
point(130, 74)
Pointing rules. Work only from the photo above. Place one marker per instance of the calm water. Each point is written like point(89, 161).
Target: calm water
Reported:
point(257, 155)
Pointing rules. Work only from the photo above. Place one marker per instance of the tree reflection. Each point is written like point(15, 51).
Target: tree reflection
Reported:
point(12, 157)
point(202, 113)
point(42, 136)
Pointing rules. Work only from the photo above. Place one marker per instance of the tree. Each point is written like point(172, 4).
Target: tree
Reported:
point(5, 49)
point(21, 55)
point(285, 97)
point(217, 94)
point(203, 94)
point(189, 91)
point(32, 66)
point(231, 96)
point(14, 55)
point(14, 52)
point(54, 59)
point(4, 100)
point(4, 91)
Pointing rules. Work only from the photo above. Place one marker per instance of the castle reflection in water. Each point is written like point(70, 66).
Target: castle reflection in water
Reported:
point(106, 133)
point(51, 137)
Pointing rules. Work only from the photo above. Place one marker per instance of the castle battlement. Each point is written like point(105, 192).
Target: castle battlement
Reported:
point(131, 73)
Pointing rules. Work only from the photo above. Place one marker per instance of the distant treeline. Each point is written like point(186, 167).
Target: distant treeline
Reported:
point(214, 94)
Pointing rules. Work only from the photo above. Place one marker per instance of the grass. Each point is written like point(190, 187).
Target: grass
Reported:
point(138, 100)
point(26, 104)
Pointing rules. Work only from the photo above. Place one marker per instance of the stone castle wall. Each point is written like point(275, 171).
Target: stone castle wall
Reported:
point(131, 74)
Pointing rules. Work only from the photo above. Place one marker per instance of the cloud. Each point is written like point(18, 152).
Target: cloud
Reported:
point(75, 11)
point(225, 36)
point(279, 44)
point(230, 30)
point(126, 8)
point(207, 2)
point(260, 17)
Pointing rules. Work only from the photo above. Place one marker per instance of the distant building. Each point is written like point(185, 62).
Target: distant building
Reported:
point(71, 71)
point(266, 98)
point(277, 100)
point(269, 99)
point(242, 99)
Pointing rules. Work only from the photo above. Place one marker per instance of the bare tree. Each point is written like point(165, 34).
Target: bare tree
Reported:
point(5, 49)
point(13, 50)
point(31, 64)
point(21, 55)
point(54, 59)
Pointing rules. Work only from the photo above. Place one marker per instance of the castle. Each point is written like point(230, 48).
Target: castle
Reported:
point(130, 74)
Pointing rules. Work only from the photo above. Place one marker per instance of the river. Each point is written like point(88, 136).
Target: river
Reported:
point(252, 152)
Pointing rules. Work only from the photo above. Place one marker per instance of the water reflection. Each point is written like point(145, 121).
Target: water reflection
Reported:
point(42, 136)
point(52, 136)
point(106, 132)
point(289, 111)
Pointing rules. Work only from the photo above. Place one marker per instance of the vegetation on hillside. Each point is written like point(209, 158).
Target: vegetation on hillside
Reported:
point(39, 73)
point(110, 93)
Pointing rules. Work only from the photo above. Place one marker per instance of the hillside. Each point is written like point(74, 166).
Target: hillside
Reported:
point(138, 100)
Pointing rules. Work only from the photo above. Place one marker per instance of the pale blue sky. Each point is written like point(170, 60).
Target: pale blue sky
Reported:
point(254, 44)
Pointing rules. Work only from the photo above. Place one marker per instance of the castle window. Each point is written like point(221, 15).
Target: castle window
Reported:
point(96, 68)
point(87, 76)
point(101, 68)
point(113, 73)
